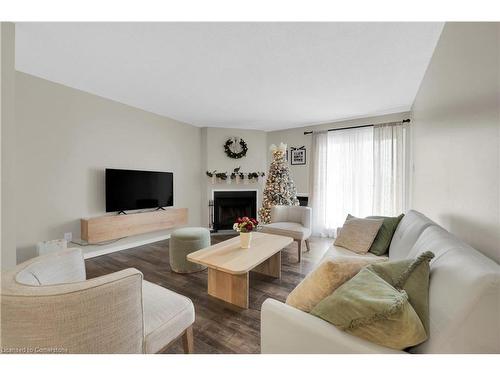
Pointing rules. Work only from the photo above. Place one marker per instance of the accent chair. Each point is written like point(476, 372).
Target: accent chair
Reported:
point(291, 221)
point(49, 306)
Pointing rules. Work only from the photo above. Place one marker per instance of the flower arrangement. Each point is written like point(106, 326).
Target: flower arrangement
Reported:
point(245, 224)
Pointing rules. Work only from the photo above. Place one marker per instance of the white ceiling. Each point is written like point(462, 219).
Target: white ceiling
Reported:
point(240, 75)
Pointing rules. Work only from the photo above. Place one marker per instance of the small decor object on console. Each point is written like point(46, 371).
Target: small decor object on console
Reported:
point(235, 148)
point(244, 226)
point(51, 246)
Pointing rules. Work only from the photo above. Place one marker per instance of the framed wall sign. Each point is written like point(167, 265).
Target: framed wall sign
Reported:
point(298, 155)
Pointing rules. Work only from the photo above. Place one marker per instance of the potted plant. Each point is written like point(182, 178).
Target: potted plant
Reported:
point(244, 226)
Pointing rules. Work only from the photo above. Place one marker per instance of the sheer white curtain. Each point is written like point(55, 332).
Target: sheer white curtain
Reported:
point(350, 174)
point(318, 189)
point(342, 177)
point(389, 169)
point(361, 171)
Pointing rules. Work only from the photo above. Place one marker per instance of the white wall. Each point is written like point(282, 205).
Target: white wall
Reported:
point(65, 140)
point(1, 104)
point(296, 138)
point(215, 158)
point(8, 131)
point(455, 133)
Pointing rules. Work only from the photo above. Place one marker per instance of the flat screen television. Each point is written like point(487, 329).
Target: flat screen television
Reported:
point(132, 190)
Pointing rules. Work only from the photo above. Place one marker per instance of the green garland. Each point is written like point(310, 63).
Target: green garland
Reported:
point(232, 176)
point(235, 155)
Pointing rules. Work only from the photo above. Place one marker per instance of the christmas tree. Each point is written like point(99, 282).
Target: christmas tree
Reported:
point(280, 189)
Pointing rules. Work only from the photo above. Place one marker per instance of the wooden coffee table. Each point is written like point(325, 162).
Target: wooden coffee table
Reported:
point(229, 265)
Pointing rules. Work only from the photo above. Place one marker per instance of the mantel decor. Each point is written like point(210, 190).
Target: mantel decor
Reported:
point(235, 148)
point(235, 176)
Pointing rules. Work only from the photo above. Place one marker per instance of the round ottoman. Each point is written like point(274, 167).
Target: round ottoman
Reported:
point(183, 242)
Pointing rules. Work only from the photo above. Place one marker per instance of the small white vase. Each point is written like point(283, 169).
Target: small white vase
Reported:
point(245, 239)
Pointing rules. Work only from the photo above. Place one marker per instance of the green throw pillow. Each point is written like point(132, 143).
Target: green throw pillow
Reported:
point(386, 303)
point(412, 276)
point(368, 307)
point(383, 239)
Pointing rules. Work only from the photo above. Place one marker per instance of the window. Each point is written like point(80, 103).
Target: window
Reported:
point(361, 171)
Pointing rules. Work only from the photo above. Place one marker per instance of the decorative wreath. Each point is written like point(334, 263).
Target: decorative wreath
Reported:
point(231, 153)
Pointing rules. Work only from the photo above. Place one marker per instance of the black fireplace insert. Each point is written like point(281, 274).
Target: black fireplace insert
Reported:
point(229, 205)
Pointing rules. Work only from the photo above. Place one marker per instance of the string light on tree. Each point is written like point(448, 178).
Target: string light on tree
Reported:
point(280, 188)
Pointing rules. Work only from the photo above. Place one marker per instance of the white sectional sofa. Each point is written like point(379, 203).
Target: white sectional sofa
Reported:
point(464, 300)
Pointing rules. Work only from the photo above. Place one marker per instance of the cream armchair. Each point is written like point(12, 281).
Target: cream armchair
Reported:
point(48, 306)
point(292, 221)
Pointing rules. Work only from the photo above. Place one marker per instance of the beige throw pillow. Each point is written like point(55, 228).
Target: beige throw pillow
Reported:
point(327, 277)
point(358, 234)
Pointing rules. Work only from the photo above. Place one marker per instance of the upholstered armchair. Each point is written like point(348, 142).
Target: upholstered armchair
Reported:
point(48, 306)
point(292, 221)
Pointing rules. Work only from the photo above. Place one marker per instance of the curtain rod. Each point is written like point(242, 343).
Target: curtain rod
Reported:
point(351, 127)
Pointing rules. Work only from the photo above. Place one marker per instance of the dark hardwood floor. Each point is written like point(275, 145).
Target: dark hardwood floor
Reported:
point(219, 327)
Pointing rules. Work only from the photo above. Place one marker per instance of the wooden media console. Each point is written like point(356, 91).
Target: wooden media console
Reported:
point(112, 227)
